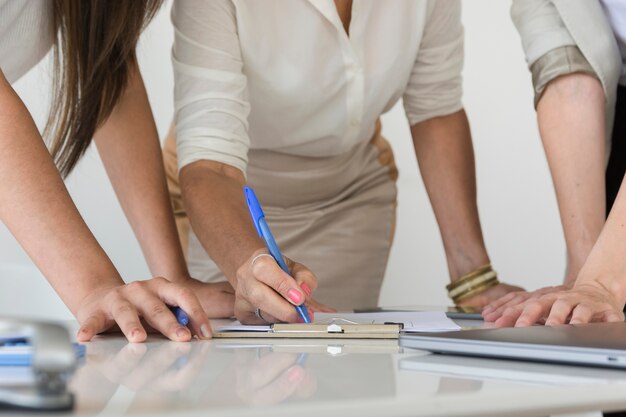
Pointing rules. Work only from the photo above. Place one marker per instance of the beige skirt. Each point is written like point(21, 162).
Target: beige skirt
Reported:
point(336, 215)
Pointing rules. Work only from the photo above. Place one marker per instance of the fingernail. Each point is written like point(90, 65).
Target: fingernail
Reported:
point(305, 288)
point(487, 309)
point(295, 375)
point(182, 332)
point(135, 334)
point(299, 320)
point(295, 296)
point(206, 333)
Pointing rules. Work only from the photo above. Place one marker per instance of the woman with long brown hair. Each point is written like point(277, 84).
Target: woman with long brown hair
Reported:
point(99, 94)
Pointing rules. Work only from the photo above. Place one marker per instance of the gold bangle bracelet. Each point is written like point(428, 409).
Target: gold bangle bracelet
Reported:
point(477, 290)
point(470, 276)
point(471, 284)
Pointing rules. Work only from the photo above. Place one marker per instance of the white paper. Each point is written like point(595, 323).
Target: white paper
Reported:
point(413, 321)
point(236, 326)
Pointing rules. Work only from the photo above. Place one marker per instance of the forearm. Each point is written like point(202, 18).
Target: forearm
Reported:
point(444, 152)
point(37, 209)
point(606, 264)
point(571, 122)
point(129, 146)
point(214, 198)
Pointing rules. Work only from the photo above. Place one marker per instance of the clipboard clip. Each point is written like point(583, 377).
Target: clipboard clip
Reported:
point(53, 362)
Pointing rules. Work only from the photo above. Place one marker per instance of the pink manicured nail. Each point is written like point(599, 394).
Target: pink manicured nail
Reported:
point(295, 375)
point(295, 296)
point(306, 288)
point(299, 320)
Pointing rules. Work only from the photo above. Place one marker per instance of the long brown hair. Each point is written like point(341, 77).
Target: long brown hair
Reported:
point(94, 54)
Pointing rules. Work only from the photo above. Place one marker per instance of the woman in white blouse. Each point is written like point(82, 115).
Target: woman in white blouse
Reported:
point(286, 96)
point(99, 94)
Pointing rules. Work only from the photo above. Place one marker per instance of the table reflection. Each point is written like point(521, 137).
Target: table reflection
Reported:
point(122, 378)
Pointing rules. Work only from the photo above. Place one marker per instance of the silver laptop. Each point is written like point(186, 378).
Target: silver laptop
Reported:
point(598, 344)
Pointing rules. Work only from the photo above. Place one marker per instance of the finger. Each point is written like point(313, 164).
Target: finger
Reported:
point(260, 295)
point(561, 310)
point(93, 325)
point(582, 314)
point(127, 318)
point(613, 316)
point(315, 306)
point(246, 313)
point(183, 297)
point(494, 305)
point(268, 272)
point(508, 301)
point(160, 317)
point(509, 317)
point(303, 276)
point(532, 312)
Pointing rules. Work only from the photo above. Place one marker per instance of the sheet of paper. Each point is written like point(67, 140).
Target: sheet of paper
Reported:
point(413, 321)
point(236, 326)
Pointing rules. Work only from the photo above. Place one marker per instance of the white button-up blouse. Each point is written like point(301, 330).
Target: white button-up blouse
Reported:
point(284, 75)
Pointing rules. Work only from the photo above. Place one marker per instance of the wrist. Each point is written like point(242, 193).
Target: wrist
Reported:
point(463, 263)
point(609, 281)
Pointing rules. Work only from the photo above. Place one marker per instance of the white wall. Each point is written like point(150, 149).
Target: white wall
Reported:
point(517, 203)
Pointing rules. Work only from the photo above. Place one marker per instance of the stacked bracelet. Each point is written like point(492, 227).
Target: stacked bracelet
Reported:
point(473, 283)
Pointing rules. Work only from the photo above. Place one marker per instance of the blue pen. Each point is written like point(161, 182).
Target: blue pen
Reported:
point(181, 316)
point(258, 218)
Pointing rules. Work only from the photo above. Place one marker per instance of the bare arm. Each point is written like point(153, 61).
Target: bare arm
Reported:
point(213, 195)
point(37, 209)
point(129, 146)
point(571, 124)
point(443, 147)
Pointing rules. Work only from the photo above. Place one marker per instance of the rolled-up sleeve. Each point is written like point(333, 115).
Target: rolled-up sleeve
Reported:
point(435, 87)
point(210, 96)
point(540, 27)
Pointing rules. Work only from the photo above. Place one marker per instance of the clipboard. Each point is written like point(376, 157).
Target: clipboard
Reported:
point(318, 331)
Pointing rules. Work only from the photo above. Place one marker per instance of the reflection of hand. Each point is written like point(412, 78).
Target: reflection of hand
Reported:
point(261, 283)
point(583, 303)
point(123, 306)
point(217, 299)
point(272, 378)
point(489, 295)
point(169, 366)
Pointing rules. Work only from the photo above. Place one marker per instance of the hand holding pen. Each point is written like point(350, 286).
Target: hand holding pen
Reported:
point(271, 288)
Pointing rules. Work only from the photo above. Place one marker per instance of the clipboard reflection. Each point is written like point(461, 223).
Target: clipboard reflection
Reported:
point(122, 378)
